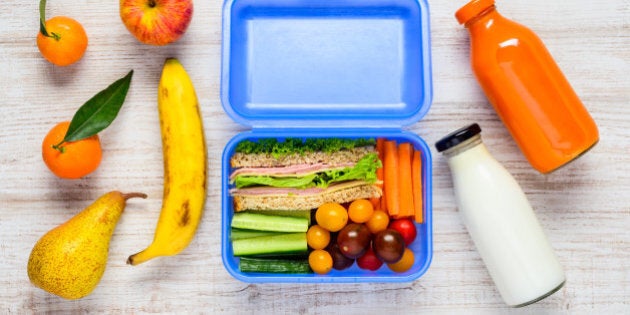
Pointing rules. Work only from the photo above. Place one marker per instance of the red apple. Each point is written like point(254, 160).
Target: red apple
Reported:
point(156, 22)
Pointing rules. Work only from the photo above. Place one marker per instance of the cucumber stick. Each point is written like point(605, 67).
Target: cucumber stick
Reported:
point(237, 234)
point(270, 265)
point(263, 222)
point(273, 244)
point(285, 213)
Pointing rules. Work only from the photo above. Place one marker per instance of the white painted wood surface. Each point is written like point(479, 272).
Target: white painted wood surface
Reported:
point(584, 207)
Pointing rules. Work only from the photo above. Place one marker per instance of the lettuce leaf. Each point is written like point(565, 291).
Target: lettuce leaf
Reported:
point(279, 182)
point(298, 146)
point(364, 169)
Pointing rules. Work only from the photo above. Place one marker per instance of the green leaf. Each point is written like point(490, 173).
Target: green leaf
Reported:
point(98, 112)
point(297, 146)
point(301, 182)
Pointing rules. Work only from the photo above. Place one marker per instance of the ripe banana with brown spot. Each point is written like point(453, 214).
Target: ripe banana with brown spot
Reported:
point(184, 152)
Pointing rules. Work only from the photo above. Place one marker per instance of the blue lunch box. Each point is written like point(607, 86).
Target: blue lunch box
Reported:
point(327, 68)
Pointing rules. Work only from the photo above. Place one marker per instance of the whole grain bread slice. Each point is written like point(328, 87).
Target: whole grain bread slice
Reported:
point(268, 160)
point(305, 202)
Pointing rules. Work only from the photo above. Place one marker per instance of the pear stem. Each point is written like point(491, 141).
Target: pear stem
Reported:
point(134, 195)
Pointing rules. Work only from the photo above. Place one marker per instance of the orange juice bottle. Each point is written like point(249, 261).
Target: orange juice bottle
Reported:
point(527, 88)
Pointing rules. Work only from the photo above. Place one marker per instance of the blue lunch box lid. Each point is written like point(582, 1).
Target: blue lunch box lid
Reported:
point(322, 63)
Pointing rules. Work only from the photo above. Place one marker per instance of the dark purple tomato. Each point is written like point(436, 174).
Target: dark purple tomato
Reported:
point(369, 261)
point(340, 261)
point(389, 245)
point(354, 239)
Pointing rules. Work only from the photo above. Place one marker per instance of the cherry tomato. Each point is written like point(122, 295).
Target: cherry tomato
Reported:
point(369, 261)
point(331, 216)
point(404, 263)
point(378, 221)
point(320, 261)
point(340, 261)
point(406, 228)
point(317, 237)
point(388, 245)
point(354, 240)
point(360, 210)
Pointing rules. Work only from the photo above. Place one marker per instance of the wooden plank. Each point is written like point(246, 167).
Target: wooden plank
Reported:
point(584, 207)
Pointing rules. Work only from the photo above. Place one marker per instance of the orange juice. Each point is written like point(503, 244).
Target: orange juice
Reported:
point(527, 89)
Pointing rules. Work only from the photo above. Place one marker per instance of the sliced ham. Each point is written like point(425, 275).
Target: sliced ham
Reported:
point(289, 171)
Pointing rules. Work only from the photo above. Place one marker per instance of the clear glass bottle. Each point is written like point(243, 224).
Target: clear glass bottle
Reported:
point(500, 221)
point(527, 89)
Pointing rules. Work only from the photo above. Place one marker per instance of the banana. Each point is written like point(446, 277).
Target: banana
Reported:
point(184, 152)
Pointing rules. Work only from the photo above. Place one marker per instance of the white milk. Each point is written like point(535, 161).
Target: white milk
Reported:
point(502, 224)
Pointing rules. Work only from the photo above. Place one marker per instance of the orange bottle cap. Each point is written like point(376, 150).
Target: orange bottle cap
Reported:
point(472, 9)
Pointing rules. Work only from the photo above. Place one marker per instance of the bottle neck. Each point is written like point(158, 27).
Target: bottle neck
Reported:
point(485, 19)
point(463, 147)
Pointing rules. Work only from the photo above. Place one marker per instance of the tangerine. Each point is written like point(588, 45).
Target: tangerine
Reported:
point(70, 160)
point(66, 43)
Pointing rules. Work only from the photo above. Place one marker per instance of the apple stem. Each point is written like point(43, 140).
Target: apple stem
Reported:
point(152, 4)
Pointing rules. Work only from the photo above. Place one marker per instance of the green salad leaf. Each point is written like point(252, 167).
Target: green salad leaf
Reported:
point(298, 146)
point(364, 169)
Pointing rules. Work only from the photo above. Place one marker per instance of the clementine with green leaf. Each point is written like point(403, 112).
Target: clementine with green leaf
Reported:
point(72, 149)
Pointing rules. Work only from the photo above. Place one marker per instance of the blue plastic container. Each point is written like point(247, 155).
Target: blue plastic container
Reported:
point(327, 68)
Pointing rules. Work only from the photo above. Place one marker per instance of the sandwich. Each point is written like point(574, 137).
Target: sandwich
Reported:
point(297, 174)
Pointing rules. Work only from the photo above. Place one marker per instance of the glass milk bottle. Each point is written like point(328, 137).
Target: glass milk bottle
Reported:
point(500, 220)
point(527, 89)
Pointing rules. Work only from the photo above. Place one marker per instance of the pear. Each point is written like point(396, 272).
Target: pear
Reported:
point(70, 259)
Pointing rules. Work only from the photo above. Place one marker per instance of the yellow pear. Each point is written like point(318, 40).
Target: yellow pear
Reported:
point(70, 259)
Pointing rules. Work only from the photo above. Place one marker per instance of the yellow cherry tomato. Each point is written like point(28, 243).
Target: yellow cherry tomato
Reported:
point(404, 263)
point(360, 210)
point(378, 221)
point(320, 261)
point(317, 237)
point(331, 216)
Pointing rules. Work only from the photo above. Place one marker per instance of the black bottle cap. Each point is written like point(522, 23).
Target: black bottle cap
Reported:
point(457, 137)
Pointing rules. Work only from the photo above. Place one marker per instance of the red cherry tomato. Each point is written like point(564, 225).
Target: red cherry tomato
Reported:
point(369, 261)
point(406, 228)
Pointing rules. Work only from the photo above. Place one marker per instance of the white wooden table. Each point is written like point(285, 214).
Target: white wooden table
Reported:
point(584, 207)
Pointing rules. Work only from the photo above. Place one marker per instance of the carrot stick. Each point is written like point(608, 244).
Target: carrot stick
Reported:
point(416, 181)
point(376, 203)
point(390, 172)
point(379, 203)
point(405, 152)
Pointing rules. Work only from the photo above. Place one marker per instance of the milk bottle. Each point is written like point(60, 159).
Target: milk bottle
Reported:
point(500, 221)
